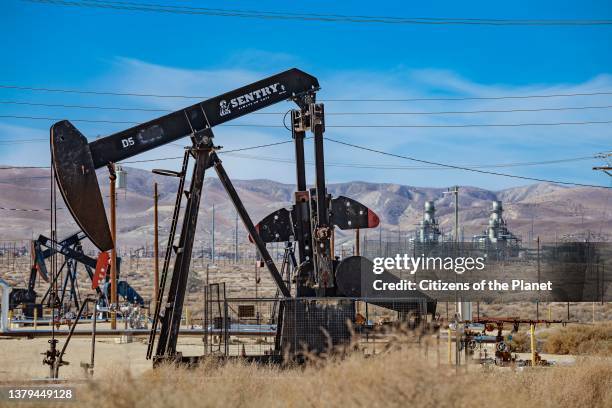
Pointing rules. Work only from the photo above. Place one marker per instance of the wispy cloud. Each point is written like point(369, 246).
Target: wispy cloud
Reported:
point(470, 145)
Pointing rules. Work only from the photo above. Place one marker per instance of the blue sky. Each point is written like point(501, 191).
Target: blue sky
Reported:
point(95, 49)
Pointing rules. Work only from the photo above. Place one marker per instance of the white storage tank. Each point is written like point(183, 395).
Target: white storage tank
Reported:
point(121, 180)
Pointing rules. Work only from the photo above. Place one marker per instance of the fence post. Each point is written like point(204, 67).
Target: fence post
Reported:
point(225, 326)
point(533, 344)
point(450, 350)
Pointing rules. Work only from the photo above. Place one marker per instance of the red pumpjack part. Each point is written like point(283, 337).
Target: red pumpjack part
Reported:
point(102, 265)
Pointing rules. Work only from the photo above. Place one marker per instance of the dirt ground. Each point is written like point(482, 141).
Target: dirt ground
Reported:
point(22, 359)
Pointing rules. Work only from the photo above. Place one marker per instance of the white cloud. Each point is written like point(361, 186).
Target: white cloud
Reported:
point(479, 145)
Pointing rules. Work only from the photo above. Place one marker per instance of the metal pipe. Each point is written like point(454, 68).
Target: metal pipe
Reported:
point(113, 221)
point(93, 341)
point(29, 333)
point(59, 361)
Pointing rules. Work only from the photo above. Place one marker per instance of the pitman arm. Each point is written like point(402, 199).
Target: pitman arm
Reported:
point(75, 160)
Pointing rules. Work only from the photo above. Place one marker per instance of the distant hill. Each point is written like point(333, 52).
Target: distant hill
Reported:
point(554, 210)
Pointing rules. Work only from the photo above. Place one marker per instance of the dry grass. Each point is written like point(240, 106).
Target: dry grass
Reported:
point(397, 378)
point(580, 339)
point(576, 339)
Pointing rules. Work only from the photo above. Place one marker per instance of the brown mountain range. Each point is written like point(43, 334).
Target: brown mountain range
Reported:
point(544, 210)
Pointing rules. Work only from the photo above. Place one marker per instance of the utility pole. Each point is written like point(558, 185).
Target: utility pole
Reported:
point(236, 241)
point(156, 244)
point(538, 301)
point(455, 191)
point(113, 219)
point(357, 253)
point(608, 170)
point(463, 309)
point(212, 249)
point(531, 233)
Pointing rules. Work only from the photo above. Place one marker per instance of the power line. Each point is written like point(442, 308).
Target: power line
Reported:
point(152, 95)
point(72, 106)
point(241, 149)
point(22, 167)
point(87, 92)
point(476, 169)
point(471, 98)
point(234, 152)
point(28, 209)
point(461, 167)
point(219, 152)
point(523, 110)
point(395, 167)
point(470, 125)
point(139, 109)
point(19, 141)
point(256, 125)
point(328, 18)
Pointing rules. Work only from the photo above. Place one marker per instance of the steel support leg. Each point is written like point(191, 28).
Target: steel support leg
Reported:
point(298, 136)
point(162, 284)
point(166, 346)
point(323, 229)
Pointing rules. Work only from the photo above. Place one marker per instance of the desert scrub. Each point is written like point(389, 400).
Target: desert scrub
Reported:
point(520, 342)
point(580, 339)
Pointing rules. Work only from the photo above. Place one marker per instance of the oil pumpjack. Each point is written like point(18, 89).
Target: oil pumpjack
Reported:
point(310, 222)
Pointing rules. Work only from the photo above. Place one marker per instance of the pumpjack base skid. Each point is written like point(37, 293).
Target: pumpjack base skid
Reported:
point(195, 361)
